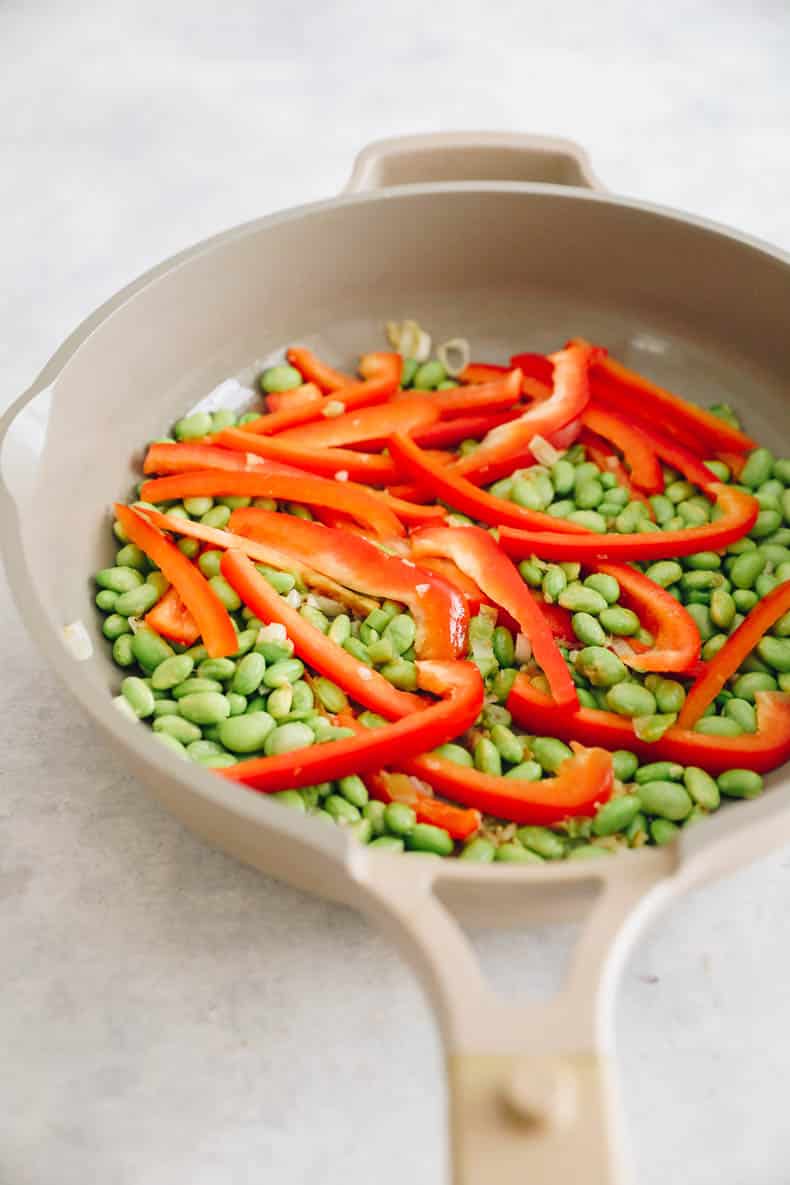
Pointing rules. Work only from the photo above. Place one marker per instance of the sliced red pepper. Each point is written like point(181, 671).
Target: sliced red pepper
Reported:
point(676, 639)
point(361, 682)
point(475, 552)
point(187, 457)
point(458, 682)
point(447, 433)
point(381, 375)
point(411, 513)
point(735, 650)
point(734, 461)
point(462, 495)
point(761, 751)
point(739, 514)
point(450, 571)
point(304, 405)
point(171, 618)
point(639, 455)
point(601, 454)
point(313, 370)
point(305, 488)
point(282, 400)
point(535, 366)
point(211, 616)
point(581, 784)
point(438, 608)
point(262, 553)
point(458, 822)
point(682, 459)
point(368, 425)
point(482, 372)
point(631, 390)
point(560, 622)
point(569, 398)
point(497, 395)
point(365, 467)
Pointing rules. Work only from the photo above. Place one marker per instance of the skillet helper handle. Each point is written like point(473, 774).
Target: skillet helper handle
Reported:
point(471, 156)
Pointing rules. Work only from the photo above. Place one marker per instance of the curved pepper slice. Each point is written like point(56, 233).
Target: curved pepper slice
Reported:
point(738, 647)
point(631, 390)
point(381, 375)
point(640, 456)
point(462, 495)
point(349, 498)
point(569, 398)
point(186, 458)
point(761, 751)
point(676, 638)
point(171, 618)
point(366, 467)
point(211, 616)
point(313, 370)
point(496, 395)
point(458, 682)
point(262, 553)
point(475, 597)
point(482, 372)
point(581, 784)
point(601, 453)
point(739, 514)
point(439, 609)
point(475, 552)
point(304, 404)
point(367, 425)
point(447, 433)
point(361, 682)
point(682, 459)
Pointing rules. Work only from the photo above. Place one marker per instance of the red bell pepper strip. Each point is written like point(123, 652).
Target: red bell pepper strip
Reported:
point(560, 622)
point(283, 400)
point(681, 458)
point(739, 516)
point(458, 822)
point(462, 495)
point(313, 370)
point(304, 405)
point(262, 553)
point(211, 616)
point(639, 455)
point(601, 454)
point(361, 682)
point(365, 467)
point(676, 639)
point(438, 608)
point(535, 366)
point(187, 457)
point(475, 552)
point(498, 395)
point(381, 375)
point(347, 497)
point(367, 425)
point(171, 618)
point(761, 751)
point(447, 433)
point(570, 396)
point(734, 461)
point(474, 596)
point(582, 783)
point(738, 647)
point(633, 391)
point(562, 439)
point(411, 513)
point(482, 372)
point(458, 682)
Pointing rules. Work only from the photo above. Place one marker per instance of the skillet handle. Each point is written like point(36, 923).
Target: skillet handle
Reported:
point(530, 1082)
point(470, 156)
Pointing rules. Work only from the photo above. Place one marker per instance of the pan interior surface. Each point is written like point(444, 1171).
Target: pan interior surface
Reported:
point(508, 267)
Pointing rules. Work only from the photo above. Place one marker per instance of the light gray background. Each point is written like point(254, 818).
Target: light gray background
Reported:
point(169, 1017)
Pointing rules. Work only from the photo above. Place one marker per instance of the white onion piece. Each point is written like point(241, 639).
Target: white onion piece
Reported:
point(544, 451)
point(454, 355)
point(523, 649)
point(622, 648)
point(77, 641)
point(274, 632)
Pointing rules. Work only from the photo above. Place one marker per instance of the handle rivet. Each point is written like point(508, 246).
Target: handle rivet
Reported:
point(540, 1094)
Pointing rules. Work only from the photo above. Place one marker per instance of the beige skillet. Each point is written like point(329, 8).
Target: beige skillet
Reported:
point(509, 241)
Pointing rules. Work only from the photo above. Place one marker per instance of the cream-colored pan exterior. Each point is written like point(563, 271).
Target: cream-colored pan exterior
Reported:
point(505, 240)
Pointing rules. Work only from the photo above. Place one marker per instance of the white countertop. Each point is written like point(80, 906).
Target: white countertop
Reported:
point(167, 1016)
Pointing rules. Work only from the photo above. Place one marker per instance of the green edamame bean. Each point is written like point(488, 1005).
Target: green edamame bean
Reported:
point(227, 595)
point(588, 629)
point(742, 712)
point(625, 764)
point(193, 685)
point(138, 695)
point(546, 843)
point(166, 707)
point(115, 626)
point(713, 646)
point(785, 506)
point(563, 476)
point(362, 830)
point(149, 649)
point(531, 572)
point(745, 569)
point(220, 669)
point(332, 697)
point(616, 815)
point(718, 726)
point(782, 626)
point(702, 787)
point(758, 468)
point(374, 812)
point(588, 851)
point(195, 507)
point(740, 783)
point(504, 646)
point(191, 427)
point(131, 556)
point(767, 522)
point(246, 733)
point(172, 744)
point(238, 703)
point(358, 650)
point(119, 580)
point(455, 753)
point(623, 623)
point(428, 376)
point(534, 492)
point(600, 666)
point(294, 801)
point(664, 572)
point(561, 509)
point(288, 670)
point(204, 707)
point(745, 599)
point(400, 674)
point(105, 600)
point(722, 608)
point(122, 652)
point(340, 629)
point(703, 561)
point(630, 699)
point(670, 800)
point(399, 818)
point(703, 581)
point(424, 837)
point(747, 685)
point(216, 517)
point(579, 599)
point(176, 726)
point(660, 771)
point(287, 738)
point(316, 618)
point(388, 843)
point(246, 640)
point(209, 562)
point(400, 632)
point(589, 494)
point(663, 509)
point(514, 853)
point(354, 790)
point(775, 652)
point(631, 519)
point(606, 586)
point(280, 378)
point(198, 750)
point(782, 470)
point(341, 810)
point(478, 851)
point(525, 771)
point(669, 695)
point(702, 619)
point(554, 582)
point(662, 831)
point(550, 753)
point(509, 746)
point(171, 672)
point(486, 757)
